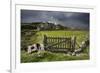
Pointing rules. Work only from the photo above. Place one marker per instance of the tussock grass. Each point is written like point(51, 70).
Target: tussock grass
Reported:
point(45, 56)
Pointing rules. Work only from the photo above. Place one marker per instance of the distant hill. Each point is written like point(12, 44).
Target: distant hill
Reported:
point(46, 26)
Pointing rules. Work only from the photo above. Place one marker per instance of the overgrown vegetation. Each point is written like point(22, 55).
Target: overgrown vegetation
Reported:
point(45, 56)
point(37, 36)
point(32, 35)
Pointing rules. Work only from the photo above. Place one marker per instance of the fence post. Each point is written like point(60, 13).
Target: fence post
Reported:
point(45, 41)
point(73, 43)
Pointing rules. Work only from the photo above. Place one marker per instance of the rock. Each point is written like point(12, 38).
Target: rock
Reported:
point(35, 47)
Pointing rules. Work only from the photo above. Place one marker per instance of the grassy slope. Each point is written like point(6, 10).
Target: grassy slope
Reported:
point(45, 56)
point(48, 56)
point(81, 35)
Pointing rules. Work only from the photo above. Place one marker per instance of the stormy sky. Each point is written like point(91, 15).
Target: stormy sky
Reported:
point(69, 19)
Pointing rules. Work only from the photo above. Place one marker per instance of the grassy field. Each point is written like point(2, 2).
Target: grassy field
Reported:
point(48, 56)
point(81, 35)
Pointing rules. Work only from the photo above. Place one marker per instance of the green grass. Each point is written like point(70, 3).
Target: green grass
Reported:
point(46, 56)
point(81, 35)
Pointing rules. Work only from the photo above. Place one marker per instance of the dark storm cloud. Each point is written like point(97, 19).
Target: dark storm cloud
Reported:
point(71, 19)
